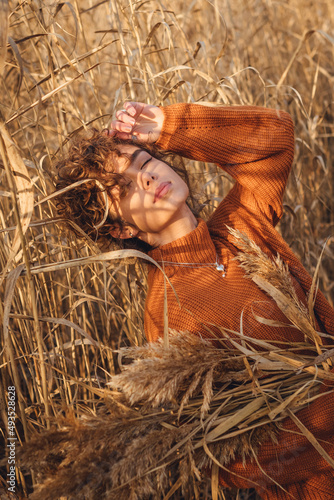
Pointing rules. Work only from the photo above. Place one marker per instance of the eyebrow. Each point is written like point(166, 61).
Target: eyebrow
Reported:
point(131, 158)
point(135, 154)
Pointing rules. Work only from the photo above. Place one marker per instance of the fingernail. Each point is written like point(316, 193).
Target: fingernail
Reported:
point(127, 128)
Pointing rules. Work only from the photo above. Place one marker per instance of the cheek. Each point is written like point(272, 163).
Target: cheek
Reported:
point(186, 190)
point(181, 192)
point(180, 182)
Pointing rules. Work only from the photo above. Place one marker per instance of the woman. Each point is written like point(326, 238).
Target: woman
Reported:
point(148, 201)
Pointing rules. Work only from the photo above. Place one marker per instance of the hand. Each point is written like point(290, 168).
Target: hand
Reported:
point(140, 120)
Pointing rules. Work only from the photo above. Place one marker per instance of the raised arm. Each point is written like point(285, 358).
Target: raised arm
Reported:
point(254, 145)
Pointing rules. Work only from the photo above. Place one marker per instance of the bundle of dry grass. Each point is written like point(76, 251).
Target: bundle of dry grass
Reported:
point(179, 410)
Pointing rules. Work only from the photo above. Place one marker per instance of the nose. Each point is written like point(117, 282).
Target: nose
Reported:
point(147, 179)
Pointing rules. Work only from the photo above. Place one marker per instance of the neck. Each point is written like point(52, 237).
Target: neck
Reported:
point(184, 224)
point(178, 229)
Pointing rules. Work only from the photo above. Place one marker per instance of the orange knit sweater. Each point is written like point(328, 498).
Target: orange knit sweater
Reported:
point(255, 146)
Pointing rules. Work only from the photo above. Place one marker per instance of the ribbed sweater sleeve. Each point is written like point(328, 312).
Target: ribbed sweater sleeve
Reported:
point(254, 145)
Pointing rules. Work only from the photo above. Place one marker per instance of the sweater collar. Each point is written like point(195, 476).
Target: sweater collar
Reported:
point(196, 246)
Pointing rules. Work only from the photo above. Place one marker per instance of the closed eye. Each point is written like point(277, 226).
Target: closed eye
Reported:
point(145, 162)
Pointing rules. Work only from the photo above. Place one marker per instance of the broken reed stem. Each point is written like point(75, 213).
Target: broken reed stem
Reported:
point(323, 374)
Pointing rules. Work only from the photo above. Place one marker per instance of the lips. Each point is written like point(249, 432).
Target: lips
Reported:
point(161, 190)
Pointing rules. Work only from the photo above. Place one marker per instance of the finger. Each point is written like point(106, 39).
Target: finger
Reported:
point(121, 127)
point(119, 135)
point(134, 108)
point(109, 132)
point(123, 116)
point(123, 136)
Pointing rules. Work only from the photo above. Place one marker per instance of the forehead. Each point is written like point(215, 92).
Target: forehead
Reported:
point(128, 154)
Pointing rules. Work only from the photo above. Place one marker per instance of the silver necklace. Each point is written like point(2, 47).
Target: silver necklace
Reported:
point(219, 267)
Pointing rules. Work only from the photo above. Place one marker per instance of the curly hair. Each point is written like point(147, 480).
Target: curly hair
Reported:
point(86, 160)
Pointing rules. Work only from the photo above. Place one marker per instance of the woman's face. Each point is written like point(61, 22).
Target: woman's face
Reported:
point(155, 203)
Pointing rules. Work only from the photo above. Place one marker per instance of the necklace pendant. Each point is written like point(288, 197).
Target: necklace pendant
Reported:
point(221, 267)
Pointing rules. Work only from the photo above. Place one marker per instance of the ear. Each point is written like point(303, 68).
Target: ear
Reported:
point(124, 232)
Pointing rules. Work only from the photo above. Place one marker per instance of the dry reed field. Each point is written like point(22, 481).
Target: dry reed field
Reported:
point(65, 308)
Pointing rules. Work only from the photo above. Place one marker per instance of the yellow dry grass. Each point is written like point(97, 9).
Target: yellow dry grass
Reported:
point(67, 66)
